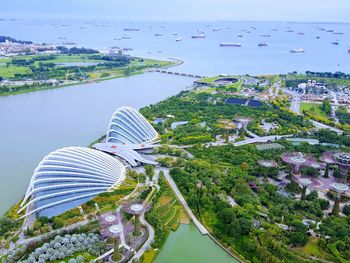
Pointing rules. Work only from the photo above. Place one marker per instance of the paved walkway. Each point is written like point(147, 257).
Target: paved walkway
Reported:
point(296, 100)
point(320, 125)
point(261, 139)
point(148, 242)
point(182, 200)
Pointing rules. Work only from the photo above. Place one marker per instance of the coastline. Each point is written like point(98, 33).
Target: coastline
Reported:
point(174, 62)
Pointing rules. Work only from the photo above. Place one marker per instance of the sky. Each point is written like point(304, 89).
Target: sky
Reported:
point(183, 10)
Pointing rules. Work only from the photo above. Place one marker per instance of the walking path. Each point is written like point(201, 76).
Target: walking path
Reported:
point(320, 125)
point(182, 200)
point(149, 240)
point(296, 100)
point(261, 139)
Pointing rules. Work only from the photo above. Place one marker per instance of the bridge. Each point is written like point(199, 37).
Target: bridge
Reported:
point(178, 73)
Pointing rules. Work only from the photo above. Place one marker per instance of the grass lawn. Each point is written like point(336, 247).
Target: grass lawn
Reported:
point(9, 72)
point(87, 256)
point(313, 108)
point(208, 90)
point(149, 256)
point(311, 248)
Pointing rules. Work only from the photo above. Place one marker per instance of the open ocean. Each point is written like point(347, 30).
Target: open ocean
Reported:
point(203, 56)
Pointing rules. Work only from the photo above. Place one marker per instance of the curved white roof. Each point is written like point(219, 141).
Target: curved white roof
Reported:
point(69, 177)
point(128, 126)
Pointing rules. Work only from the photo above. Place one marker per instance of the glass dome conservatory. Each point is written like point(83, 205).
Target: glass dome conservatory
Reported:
point(128, 126)
point(69, 177)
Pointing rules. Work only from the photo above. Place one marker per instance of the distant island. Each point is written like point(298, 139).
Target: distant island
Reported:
point(13, 40)
point(25, 66)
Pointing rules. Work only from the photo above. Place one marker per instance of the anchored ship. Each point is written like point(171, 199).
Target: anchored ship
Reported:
point(230, 44)
point(297, 50)
point(198, 36)
point(263, 44)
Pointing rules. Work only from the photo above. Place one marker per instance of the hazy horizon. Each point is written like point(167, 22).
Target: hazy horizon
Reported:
point(336, 11)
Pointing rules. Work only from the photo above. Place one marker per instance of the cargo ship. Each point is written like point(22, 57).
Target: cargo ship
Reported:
point(131, 29)
point(230, 44)
point(297, 50)
point(263, 44)
point(198, 36)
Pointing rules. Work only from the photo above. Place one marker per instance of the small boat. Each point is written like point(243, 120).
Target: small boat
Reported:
point(230, 44)
point(216, 29)
point(289, 31)
point(297, 50)
point(127, 49)
point(318, 37)
point(329, 30)
point(240, 35)
point(174, 34)
point(335, 42)
point(200, 31)
point(274, 29)
point(265, 35)
point(349, 50)
point(198, 36)
point(131, 29)
point(158, 34)
point(263, 44)
point(125, 37)
point(248, 31)
point(301, 33)
point(178, 39)
point(338, 33)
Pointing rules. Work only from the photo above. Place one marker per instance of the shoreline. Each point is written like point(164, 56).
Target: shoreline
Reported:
point(174, 62)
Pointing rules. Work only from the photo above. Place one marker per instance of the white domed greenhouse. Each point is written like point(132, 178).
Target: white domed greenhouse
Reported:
point(69, 177)
point(128, 126)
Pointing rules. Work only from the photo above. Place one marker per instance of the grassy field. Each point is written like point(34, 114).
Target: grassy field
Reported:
point(313, 108)
point(76, 74)
point(312, 249)
point(149, 256)
point(10, 71)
